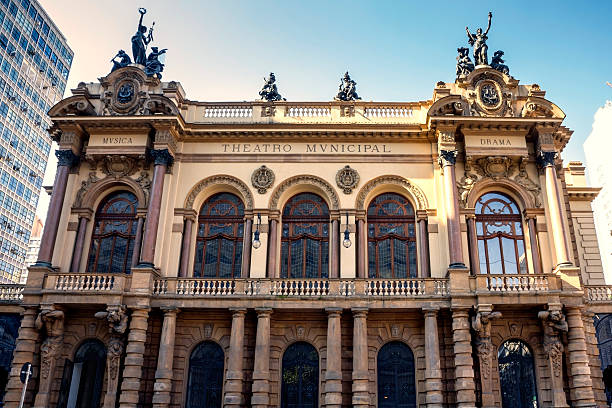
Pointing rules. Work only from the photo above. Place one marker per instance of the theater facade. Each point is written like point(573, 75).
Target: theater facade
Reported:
point(273, 253)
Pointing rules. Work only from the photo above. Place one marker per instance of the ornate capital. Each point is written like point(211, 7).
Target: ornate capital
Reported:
point(66, 158)
point(161, 157)
point(447, 157)
point(545, 159)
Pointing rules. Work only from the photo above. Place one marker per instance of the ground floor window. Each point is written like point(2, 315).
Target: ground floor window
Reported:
point(396, 382)
point(205, 384)
point(517, 375)
point(300, 387)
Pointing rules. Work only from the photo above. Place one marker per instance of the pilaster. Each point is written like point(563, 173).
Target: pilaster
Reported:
point(234, 374)
point(261, 369)
point(134, 358)
point(165, 359)
point(581, 384)
point(360, 375)
point(433, 373)
point(462, 347)
point(333, 372)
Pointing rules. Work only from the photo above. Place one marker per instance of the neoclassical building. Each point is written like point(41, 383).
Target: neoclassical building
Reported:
point(314, 254)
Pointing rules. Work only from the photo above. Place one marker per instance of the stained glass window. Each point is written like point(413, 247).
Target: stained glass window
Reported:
point(396, 381)
point(517, 375)
point(220, 237)
point(501, 244)
point(205, 384)
point(392, 250)
point(112, 242)
point(305, 237)
point(300, 387)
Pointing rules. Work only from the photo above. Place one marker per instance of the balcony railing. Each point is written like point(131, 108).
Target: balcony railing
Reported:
point(85, 282)
point(10, 293)
point(515, 283)
point(597, 294)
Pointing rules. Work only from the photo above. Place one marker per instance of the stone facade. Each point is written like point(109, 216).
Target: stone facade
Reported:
point(453, 316)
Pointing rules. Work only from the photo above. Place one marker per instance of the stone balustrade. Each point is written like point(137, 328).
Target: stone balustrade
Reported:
point(85, 282)
point(228, 111)
point(602, 293)
point(515, 283)
point(10, 293)
point(307, 111)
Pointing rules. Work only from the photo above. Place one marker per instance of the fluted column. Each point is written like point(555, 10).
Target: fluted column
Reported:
point(360, 375)
point(272, 248)
point(186, 246)
point(581, 384)
point(65, 160)
point(165, 359)
point(245, 270)
point(473, 244)
point(464, 371)
point(447, 163)
point(546, 160)
point(533, 241)
point(433, 373)
point(334, 249)
point(362, 248)
point(161, 160)
point(333, 372)
point(234, 374)
point(79, 243)
point(261, 370)
point(134, 358)
point(138, 240)
point(423, 244)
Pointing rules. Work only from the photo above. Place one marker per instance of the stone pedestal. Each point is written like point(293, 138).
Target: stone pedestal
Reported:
point(333, 372)
point(134, 358)
point(433, 374)
point(165, 359)
point(581, 385)
point(261, 370)
point(234, 373)
point(360, 375)
point(464, 371)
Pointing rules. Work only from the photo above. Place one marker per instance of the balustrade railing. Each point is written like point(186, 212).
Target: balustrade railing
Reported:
point(11, 293)
point(85, 282)
point(517, 283)
point(602, 293)
point(395, 287)
point(228, 111)
point(308, 111)
point(390, 111)
point(299, 287)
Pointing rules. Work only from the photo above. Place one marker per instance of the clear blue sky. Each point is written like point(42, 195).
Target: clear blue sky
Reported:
point(396, 51)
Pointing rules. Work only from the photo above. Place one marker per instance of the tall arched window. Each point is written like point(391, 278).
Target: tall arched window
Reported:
point(82, 381)
point(300, 382)
point(220, 236)
point(205, 384)
point(396, 380)
point(305, 237)
point(517, 375)
point(392, 250)
point(499, 229)
point(112, 242)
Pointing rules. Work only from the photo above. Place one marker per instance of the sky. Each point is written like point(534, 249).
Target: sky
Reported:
point(394, 50)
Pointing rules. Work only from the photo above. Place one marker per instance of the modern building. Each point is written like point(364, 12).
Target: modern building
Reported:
point(34, 65)
point(33, 247)
point(600, 169)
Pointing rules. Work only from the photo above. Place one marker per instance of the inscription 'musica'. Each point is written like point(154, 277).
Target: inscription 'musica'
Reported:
point(117, 140)
point(495, 142)
point(305, 148)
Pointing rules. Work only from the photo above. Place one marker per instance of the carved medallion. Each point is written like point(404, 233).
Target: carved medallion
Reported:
point(262, 179)
point(347, 179)
point(125, 93)
point(300, 331)
point(208, 329)
point(489, 95)
point(395, 331)
point(119, 166)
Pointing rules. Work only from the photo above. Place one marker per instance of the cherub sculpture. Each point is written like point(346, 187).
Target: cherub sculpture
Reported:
point(269, 92)
point(498, 63)
point(464, 63)
point(347, 91)
point(124, 60)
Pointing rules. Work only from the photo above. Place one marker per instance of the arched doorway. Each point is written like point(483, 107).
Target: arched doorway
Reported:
point(300, 377)
point(83, 378)
point(517, 375)
point(396, 381)
point(205, 384)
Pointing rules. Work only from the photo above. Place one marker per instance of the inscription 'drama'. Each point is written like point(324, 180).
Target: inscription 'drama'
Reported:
point(495, 142)
point(305, 148)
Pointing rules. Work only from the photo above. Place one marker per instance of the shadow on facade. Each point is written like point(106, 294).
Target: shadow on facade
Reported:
point(603, 328)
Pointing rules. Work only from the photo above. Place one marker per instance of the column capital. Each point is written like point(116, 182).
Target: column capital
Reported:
point(170, 310)
point(66, 158)
point(238, 311)
point(546, 159)
point(333, 311)
point(447, 157)
point(263, 311)
point(460, 310)
point(161, 157)
point(430, 310)
point(186, 213)
point(360, 311)
point(422, 215)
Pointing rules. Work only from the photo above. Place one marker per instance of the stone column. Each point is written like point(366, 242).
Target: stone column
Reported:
point(245, 270)
point(138, 240)
point(481, 323)
point(272, 248)
point(473, 241)
point(261, 369)
point(447, 163)
point(165, 360)
point(186, 246)
point(234, 374)
point(52, 321)
point(533, 241)
point(546, 160)
point(360, 375)
point(333, 372)
point(581, 383)
point(161, 160)
point(433, 373)
point(334, 249)
point(134, 358)
point(79, 244)
point(65, 160)
point(464, 371)
point(553, 323)
point(25, 349)
point(362, 247)
point(423, 244)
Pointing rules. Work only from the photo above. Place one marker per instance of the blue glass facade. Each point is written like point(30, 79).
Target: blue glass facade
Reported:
point(34, 65)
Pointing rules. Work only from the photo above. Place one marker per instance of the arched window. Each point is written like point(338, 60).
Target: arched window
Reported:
point(300, 382)
point(82, 381)
point(396, 380)
point(499, 229)
point(517, 375)
point(220, 236)
point(114, 233)
point(305, 238)
point(205, 382)
point(392, 250)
